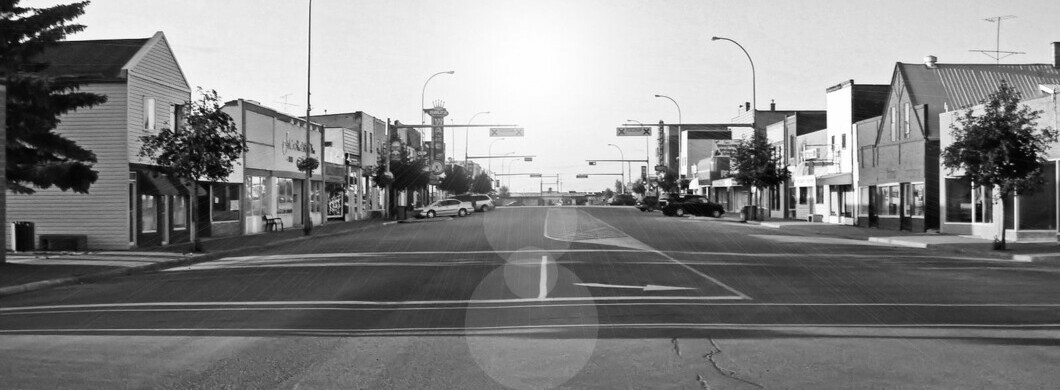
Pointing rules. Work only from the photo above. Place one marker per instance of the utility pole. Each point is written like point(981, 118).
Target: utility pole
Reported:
point(307, 218)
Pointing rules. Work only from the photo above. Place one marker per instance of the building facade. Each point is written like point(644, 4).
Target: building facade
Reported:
point(132, 203)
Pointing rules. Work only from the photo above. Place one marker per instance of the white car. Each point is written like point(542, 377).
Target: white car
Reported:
point(444, 207)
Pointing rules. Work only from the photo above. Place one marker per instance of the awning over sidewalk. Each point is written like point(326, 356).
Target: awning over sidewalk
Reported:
point(836, 179)
point(156, 183)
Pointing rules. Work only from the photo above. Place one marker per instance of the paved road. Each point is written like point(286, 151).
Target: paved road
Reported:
point(544, 297)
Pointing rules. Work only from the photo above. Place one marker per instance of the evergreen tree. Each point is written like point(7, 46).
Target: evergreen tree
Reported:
point(37, 157)
point(1000, 148)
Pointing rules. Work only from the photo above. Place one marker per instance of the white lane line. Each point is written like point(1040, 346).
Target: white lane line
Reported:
point(542, 285)
point(519, 329)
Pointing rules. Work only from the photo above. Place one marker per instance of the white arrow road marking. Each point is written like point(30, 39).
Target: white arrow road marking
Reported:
point(649, 287)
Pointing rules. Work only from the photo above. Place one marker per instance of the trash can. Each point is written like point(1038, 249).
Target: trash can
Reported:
point(24, 236)
point(749, 213)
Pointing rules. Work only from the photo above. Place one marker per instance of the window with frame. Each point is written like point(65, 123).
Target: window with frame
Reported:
point(803, 195)
point(914, 199)
point(148, 213)
point(984, 204)
point(843, 141)
point(791, 140)
point(905, 120)
point(226, 202)
point(176, 112)
point(958, 199)
point(863, 204)
point(888, 200)
point(818, 195)
point(149, 114)
point(284, 196)
point(180, 212)
point(256, 194)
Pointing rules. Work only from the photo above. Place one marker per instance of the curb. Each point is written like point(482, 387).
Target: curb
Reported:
point(189, 260)
point(898, 242)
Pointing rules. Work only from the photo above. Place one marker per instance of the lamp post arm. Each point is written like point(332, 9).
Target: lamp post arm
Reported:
point(754, 99)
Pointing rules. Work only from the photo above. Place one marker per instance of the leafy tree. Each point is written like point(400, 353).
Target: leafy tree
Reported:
point(669, 181)
point(456, 181)
point(639, 188)
point(482, 184)
point(1000, 148)
point(400, 171)
point(620, 187)
point(204, 145)
point(503, 192)
point(755, 163)
point(608, 194)
point(36, 155)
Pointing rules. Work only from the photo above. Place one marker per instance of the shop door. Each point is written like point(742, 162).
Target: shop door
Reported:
point(874, 219)
point(906, 222)
point(297, 196)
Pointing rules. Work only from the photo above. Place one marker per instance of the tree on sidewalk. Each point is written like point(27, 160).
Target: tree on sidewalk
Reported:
point(203, 145)
point(37, 157)
point(503, 192)
point(1000, 148)
point(755, 163)
point(456, 180)
point(482, 184)
point(639, 188)
point(669, 183)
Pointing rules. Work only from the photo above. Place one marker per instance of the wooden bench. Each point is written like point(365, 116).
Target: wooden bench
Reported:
point(271, 222)
point(64, 242)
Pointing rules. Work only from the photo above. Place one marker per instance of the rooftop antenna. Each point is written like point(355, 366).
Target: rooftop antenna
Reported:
point(997, 54)
point(286, 105)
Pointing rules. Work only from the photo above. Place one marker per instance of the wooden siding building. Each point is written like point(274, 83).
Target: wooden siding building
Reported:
point(132, 204)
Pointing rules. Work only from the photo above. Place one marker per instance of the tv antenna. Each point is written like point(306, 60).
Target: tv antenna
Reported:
point(997, 54)
point(286, 105)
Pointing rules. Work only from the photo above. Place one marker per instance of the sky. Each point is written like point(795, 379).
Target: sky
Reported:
point(568, 72)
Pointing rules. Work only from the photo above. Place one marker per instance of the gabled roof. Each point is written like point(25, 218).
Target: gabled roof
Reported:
point(956, 86)
point(97, 60)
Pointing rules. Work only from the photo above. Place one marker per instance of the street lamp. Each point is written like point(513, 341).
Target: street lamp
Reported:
point(623, 156)
point(490, 155)
point(754, 102)
point(466, 130)
point(647, 148)
point(679, 120)
point(423, 117)
point(508, 171)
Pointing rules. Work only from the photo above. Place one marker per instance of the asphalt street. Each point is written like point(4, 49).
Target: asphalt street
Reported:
point(536, 297)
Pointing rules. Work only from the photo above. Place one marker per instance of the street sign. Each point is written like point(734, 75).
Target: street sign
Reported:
point(581, 176)
point(592, 162)
point(634, 131)
point(528, 159)
point(660, 168)
point(506, 132)
point(437, 167)
point(535, 175)
point(726, 147)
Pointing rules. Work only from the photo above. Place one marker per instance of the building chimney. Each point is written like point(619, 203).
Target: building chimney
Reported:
point(1056, 55)
point(747, 106)
point(772, 105)
point(930, 61)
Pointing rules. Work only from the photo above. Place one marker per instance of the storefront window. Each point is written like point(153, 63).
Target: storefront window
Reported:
point(1038, 209)
point(284, 196)
point(336, 195)
point(314, 199)
point(984, 205)
point(864, 200)
point(180, 212)
point(225, 202)
point(256, 195)
point(958, 200)
point(819, 195)
point(914, 199)
point(803, 194)
point(149, 213)
point(888, 199)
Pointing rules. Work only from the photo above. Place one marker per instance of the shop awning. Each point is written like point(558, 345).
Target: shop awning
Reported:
point(155, 183)
point(836, 179)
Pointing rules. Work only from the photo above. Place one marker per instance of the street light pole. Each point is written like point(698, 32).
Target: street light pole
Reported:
point(466, 131)
point(307, 219)
point(623, 155)
point(490, 155)
point(423, 117)
point(754, 101)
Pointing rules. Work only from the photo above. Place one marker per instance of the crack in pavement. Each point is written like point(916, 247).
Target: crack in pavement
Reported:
point(726, 373)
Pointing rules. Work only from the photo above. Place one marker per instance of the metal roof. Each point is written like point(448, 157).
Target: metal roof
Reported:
point(97, 60)
point(957, 86)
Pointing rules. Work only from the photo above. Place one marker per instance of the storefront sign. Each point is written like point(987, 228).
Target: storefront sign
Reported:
point(804, 181)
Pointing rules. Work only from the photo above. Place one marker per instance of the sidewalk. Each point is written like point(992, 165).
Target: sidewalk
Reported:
point(1039, 252)
point(37, 270)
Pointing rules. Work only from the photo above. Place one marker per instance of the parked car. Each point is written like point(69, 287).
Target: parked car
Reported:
point(443, 207)
point(647, 203)
point(515, 203)
point(479, 202)
point(622, 200)
point(665, 198)
point(695, 205)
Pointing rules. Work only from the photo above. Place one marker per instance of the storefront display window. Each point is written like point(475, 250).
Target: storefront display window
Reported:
point(225, 202)
point(1038, 209)
point(314, 198)
point(256, 195)
point(284, 196)
point(180, 212)
point(865, 200)
point(914, 199)
point(888, 199)
point(958, 200)
point(149, 213)
point(336, 195)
